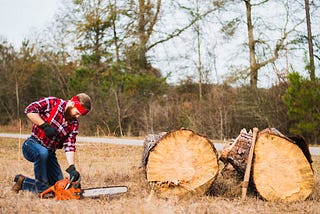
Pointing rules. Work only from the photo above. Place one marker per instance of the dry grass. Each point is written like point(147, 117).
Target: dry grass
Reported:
point(103, 164)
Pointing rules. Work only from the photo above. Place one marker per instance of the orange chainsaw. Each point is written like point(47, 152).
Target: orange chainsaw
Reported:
point(67, 189)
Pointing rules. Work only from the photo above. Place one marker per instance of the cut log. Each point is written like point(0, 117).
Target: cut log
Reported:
point(281, 171)
point(237, 151)
point(181, 162)
point(281, 167)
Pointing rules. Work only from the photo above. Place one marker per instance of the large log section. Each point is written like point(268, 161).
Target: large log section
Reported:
point(281, 167)
point(179, 162)
point(281, 170)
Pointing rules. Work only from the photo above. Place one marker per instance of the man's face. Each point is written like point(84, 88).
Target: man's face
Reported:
point(71, 113)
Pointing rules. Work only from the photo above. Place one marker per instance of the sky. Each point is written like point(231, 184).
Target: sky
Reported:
point(18, 18)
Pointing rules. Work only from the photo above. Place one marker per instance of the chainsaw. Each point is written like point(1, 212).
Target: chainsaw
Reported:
point(67, 189)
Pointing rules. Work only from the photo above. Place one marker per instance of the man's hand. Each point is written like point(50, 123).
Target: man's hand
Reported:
point(73, 173)
point(49, 131)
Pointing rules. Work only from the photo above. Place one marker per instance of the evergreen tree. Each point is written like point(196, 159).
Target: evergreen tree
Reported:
point(303, 102)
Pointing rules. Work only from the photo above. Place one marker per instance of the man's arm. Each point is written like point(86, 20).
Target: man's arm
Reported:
point(70, 157)
point(35, 118)
point(49, 131)
point(73, 173)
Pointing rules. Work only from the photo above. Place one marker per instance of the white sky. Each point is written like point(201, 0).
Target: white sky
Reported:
point(18, 18)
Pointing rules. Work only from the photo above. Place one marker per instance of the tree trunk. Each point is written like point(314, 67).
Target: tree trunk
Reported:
point(180, 162)
point(310, 45)
point(147, 18)
point(119, 116)
point(253, 62)
point(199, 66)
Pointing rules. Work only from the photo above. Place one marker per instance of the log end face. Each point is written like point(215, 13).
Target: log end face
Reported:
point(281, 171)
point(181, 162)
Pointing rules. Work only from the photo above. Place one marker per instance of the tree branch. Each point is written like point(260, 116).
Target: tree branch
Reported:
point(155, 18)
point(179, 31)
point(279, 46)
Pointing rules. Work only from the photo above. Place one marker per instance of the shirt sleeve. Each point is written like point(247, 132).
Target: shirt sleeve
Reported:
point(70, 142)
point(40, 106)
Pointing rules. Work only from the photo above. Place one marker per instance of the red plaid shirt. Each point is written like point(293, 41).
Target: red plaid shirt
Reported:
point(67, 132)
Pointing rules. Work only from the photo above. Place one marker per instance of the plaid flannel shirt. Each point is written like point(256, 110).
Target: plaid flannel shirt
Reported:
point(67, 132)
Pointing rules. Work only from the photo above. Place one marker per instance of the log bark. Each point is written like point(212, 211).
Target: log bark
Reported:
point(149, 142)
point(236, 153)
point(180, 162)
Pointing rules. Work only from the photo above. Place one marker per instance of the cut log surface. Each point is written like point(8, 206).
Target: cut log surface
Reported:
point(182, 161)
point(281, 171)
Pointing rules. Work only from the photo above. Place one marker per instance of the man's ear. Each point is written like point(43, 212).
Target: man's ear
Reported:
point(70, 103)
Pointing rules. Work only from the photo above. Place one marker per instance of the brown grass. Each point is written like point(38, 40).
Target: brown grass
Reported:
point(103, 164)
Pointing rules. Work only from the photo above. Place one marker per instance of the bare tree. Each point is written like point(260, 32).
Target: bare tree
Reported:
point(311, 56)
point(147, 18)
point(199, 67)
point(279, 46)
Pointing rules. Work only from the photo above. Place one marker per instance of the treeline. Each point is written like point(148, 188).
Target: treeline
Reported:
point(105, 49)
point(126, 103)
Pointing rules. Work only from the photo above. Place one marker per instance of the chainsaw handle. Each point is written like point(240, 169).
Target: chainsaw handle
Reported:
point(50, 189)
point(72, 180)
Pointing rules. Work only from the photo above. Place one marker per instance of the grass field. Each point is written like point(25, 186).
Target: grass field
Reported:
point(103, 164)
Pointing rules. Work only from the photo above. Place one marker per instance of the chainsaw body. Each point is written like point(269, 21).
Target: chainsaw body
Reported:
point(64, 190)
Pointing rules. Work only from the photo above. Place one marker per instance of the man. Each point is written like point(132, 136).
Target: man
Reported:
point(55, 126)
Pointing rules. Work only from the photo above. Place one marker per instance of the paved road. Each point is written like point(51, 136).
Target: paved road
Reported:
point(123, 141)
point(120, 141)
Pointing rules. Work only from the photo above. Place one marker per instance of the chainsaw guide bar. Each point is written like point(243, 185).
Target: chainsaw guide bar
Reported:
point(103, 191)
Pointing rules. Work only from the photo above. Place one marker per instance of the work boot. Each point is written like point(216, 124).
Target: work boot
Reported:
point(18, 185)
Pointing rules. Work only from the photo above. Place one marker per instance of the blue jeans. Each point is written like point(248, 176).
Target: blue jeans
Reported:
point(47, 170)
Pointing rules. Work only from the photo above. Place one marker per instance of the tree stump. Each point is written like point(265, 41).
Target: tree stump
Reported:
point(281, 170)
point(180, 162)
